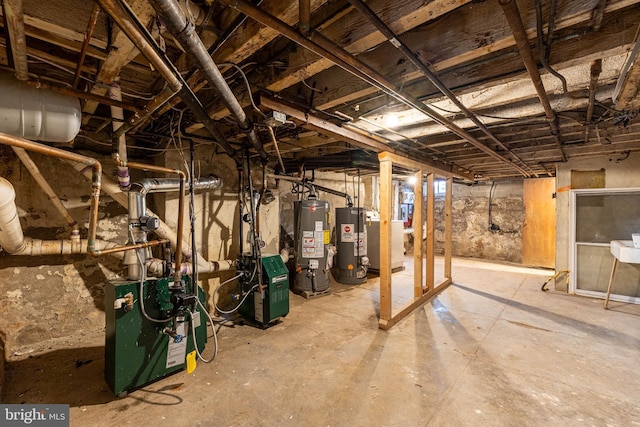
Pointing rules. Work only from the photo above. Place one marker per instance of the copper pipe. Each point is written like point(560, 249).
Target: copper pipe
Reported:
point(183, 178)
point(140, 245)
point(304, 16)
point(85, 44)
point(14, 15)
point(185, 32)
point(327, 49)
point(512, 14)
point(96, 176)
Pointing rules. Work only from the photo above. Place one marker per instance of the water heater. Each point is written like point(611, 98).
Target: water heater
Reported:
point(312, 238)
point(351, 242)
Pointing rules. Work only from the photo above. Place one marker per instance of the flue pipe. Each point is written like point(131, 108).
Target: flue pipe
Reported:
point(327, 49)
point(183, 177)
point(14, 16)
point(399, 44)
point(184, 31)
point(131, 26)
point(304, 16)
point(512, 14)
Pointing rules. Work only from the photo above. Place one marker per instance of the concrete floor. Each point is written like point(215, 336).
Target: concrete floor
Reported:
point(492, 349)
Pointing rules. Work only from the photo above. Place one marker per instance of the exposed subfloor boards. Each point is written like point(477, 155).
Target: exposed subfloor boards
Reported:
point(491, 349)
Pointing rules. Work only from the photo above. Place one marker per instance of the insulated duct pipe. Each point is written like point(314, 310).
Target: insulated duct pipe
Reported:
point(184, 31)
point(320, 45)
point(512, 14)
point(130, 25)
point(397, 43)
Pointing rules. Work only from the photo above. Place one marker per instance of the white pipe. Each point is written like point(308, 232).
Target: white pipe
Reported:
point(11, 237)
point(37, 247)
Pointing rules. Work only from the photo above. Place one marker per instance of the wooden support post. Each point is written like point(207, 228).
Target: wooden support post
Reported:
point(386, 192)
point(421, 294)
point(430, 245)
point(448, 228)
point(418, 223)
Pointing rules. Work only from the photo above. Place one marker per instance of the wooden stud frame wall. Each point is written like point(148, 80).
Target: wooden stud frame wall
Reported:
point(424, 288)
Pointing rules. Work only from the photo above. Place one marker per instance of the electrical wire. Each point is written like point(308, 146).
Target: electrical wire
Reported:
point(193, 333)
point(246, 81)
point(215, 292)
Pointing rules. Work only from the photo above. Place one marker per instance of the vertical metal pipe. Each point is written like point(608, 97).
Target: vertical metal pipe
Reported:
point(512, 14)
point(318, 44)
point(304, 19)
point(180, 225)
point(396, 42)
point(184, 31)
point(130, 25)
point(93, 19)
point(15, 22)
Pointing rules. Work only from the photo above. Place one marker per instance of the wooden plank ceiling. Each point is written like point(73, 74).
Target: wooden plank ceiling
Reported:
point(494, 127)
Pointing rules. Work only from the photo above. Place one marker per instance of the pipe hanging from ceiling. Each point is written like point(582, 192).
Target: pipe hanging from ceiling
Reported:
point(137, 33)
point(512, 14)
point(184, 31)
point(407, 52)
point(318, 44)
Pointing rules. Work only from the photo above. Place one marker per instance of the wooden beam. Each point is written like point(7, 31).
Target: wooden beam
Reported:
point(358, 139)
point(122, 53)
point(421, 295)
point(448, 228)
point(627, 97)
point(430, 244)
point(386, 193)
point(418, 222)
point(411, 306)
point(419, 164)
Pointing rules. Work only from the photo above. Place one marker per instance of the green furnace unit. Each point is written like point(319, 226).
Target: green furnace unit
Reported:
point(271, 303)
point(138, 350)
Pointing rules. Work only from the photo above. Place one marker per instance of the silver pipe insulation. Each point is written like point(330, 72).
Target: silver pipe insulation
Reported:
point(184, 31)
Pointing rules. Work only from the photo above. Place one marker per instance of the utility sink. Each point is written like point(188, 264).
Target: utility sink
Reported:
point(625, 252)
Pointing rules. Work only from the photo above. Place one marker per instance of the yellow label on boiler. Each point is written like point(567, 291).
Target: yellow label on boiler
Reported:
point(327, 237)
